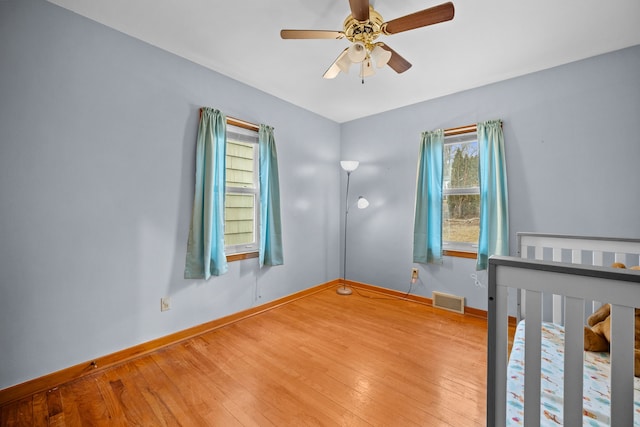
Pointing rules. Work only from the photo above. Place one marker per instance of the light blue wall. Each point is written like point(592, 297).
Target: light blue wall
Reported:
point(573, 165)
point(97, 152)
point(97, 145)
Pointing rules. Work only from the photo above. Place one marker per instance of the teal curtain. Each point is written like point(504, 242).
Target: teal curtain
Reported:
point(270, 226)
point(494, 212)
point(427, 230)
point(205, 247)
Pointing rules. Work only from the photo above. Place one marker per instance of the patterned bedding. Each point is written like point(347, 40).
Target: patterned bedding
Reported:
point(596, 382)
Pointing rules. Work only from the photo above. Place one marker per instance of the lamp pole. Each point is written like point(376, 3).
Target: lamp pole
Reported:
point(344, 290)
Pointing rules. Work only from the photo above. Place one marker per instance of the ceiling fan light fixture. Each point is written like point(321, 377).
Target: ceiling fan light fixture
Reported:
point(357, 52)
point(380, 56)
point(366, 68)
point(362, 27)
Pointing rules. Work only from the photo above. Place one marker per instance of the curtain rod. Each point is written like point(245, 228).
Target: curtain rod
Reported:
point(240, 123)
point(460, 130)
point(463, 129)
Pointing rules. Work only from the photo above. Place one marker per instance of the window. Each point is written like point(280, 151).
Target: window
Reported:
point(460, 194)
point(466, 167)
point(242, 191)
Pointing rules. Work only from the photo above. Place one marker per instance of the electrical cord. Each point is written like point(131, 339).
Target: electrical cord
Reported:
point(384, 298)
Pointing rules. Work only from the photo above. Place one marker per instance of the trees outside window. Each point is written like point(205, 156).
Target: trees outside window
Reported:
point(461, 193)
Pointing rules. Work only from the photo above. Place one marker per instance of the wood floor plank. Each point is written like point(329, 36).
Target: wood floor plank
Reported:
point(199, 395)
point(165, 392)
point(8, 415)
point(324, 359)
point(55, 408)
point(154, 398)
point(237, 399)
point(291, 377)
point(111, 400)
point(357, 401)
point(40, 410)
point(83, 404)
point(262, 378)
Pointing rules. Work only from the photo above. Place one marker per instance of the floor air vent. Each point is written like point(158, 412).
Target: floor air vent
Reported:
point(448, 302)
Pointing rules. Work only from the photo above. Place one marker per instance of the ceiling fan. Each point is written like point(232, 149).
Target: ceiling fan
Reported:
point(362, 27)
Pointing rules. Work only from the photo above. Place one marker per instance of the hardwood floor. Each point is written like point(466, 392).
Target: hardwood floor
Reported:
point(323, 360)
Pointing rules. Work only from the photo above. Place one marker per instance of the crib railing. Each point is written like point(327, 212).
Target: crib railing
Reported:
point(575, 284)
point(595, 251)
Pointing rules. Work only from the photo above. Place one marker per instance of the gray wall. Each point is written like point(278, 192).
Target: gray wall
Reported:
point(573, 154)
point(97, 152)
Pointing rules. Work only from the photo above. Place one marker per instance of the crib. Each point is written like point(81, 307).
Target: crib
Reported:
point(550, 289)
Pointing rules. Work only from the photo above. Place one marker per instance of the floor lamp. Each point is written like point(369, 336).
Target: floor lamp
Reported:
point(349, 166)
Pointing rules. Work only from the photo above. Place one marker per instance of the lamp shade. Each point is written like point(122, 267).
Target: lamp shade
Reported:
point(362, 203)
point(380, 56)
point(349, 165)
point(366, 68)
point(357, 52)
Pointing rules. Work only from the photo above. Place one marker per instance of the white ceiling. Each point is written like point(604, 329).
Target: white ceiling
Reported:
point(487, 41)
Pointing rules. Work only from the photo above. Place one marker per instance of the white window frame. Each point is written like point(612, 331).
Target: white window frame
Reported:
point(451, 246)
point(247, 136)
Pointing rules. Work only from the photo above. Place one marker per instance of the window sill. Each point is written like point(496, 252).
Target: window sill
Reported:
point(240, 257)
point(460, 254)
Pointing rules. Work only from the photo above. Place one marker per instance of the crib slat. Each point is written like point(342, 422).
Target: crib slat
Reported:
point(573, 358)
point(556, 306)
point(532, 339)
point(622, 357)
point(539, 252)
point(502, 354)
point(597, 258)
point(576, 256)
point(497, 353)
point(557, 299)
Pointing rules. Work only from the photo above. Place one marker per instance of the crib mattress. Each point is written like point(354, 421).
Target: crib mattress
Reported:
point(596, 394)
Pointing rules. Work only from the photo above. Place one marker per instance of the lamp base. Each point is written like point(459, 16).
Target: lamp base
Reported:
point(343, 290)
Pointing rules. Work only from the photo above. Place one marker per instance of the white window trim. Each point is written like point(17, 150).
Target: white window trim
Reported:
point(235, 133)
point(451, 245)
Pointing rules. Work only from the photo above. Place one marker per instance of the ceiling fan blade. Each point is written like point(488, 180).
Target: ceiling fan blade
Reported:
point(311, 34)
point(433, 15)
point(359, 9)
point(334, 69)
point(397, 62)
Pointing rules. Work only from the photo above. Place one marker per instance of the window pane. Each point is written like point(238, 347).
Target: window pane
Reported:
point(242, 190)
point(461, 198)
point(461, 165)
point(461, 218)
point(239, 219)
point(240, 165)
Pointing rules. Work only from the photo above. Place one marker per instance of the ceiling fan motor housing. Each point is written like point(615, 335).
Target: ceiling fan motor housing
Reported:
point(364, 31)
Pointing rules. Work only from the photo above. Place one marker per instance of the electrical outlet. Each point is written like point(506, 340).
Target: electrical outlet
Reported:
point(165, 304)
point(414, 274)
